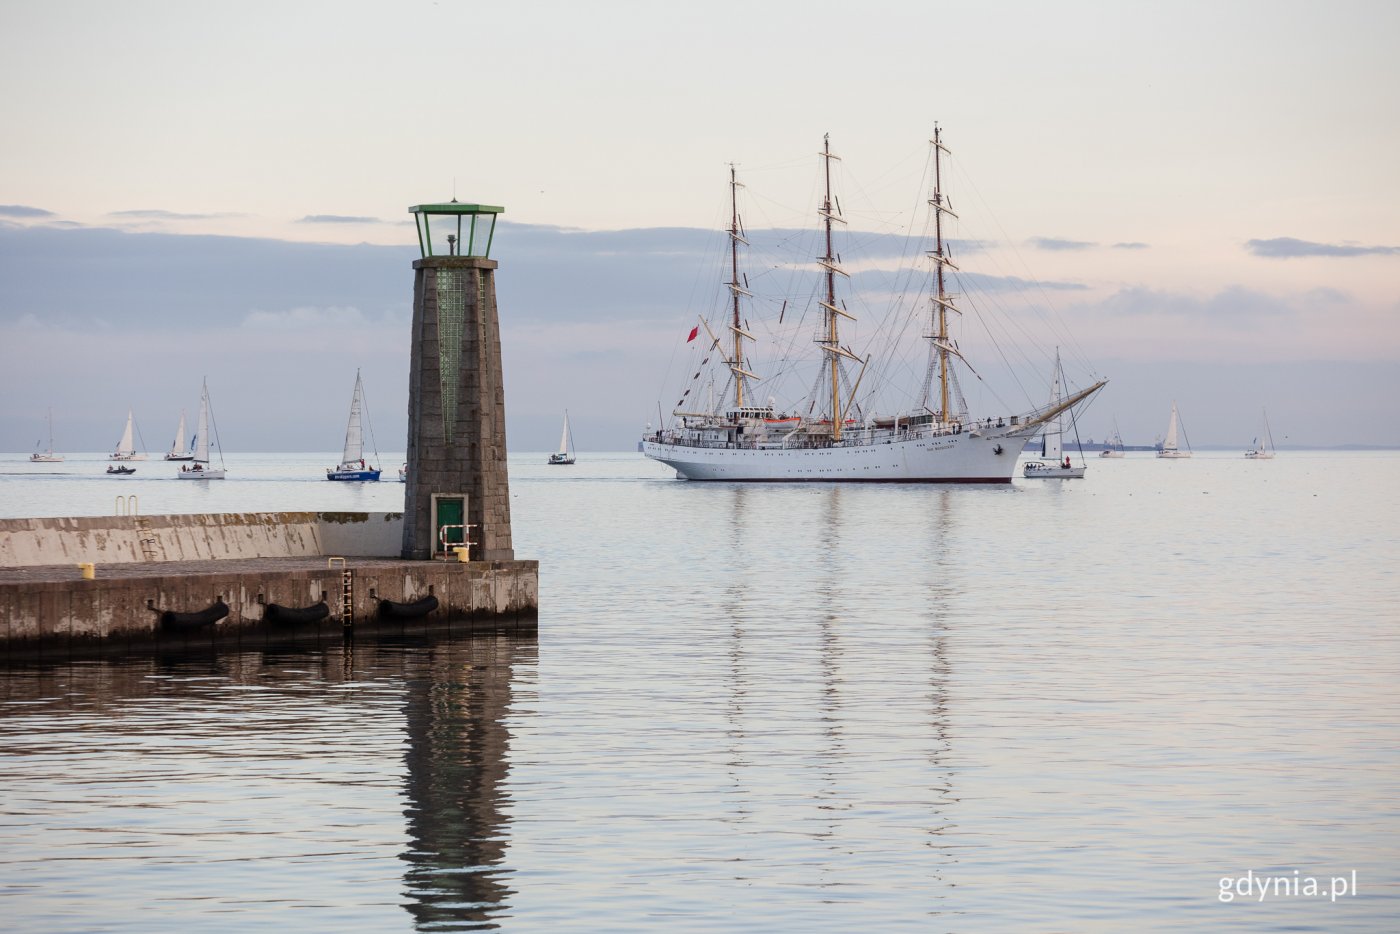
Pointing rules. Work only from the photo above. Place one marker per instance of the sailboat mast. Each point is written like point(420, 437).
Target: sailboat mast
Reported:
point(734, 289)
point(941, 304)
point(828, 262)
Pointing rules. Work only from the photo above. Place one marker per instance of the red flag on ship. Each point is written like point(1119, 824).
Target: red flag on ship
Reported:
point(693, 331)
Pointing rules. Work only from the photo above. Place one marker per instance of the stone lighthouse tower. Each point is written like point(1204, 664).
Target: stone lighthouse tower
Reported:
point(457, 487)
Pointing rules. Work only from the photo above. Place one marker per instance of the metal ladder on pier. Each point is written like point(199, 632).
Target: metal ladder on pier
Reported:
point(347, 598)
point(130, 506)
point(347, 592)
point(146, 537)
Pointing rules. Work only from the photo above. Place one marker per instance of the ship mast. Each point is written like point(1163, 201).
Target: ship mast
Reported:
point(831, 342)
point(942, 301)
point(736, 237)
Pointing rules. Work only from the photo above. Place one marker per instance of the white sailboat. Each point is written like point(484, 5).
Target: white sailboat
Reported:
point(565, 455)
point(201, 469)
point(178, 450)
point(1114, 445)
point(1056, 465)
point(352, 459)
point(47, 456)
point(827, 435)
point(1263, 447)
point(126, 447)
point(1170, 447)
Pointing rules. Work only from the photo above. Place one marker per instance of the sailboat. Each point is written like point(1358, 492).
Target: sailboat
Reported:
point(352, 459)
point(827, 435)
point(48, 456)
point(1170, 448)
point(565, 455)
point(1114, 445)
point(178, 451)
point(1266, 450)
point(126, 447)
point(201, 468)
point(1056, 464)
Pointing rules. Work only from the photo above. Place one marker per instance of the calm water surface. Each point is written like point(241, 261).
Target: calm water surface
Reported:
point(1048, 706)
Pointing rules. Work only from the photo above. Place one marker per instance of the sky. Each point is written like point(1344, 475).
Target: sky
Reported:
point(1195, 200)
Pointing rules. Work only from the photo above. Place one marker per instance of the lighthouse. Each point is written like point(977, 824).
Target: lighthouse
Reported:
point(457, 490)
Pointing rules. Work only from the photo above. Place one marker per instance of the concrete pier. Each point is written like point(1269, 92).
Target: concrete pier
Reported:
point(146, 567)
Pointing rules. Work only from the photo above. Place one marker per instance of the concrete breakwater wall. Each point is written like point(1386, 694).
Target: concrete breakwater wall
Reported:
point(259, 578)
point(54, 611)
point(142, 539)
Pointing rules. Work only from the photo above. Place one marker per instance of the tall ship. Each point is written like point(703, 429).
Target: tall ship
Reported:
point(832, 434)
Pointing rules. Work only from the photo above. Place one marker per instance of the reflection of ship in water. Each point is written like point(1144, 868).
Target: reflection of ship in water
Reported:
point(737, 606)
point(836, 795)
point(454, 783)
point(943, 588)
point(836, 741)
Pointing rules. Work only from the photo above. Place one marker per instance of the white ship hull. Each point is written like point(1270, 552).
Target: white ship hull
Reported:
point(953, 458)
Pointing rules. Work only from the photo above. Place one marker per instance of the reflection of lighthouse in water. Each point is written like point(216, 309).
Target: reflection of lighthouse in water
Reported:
point(454, 782)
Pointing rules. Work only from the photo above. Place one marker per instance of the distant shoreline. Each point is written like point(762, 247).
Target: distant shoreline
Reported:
point(1087, 448)
point(1032, 450)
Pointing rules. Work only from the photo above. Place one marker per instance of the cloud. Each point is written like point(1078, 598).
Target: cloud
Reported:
point(1050, 243)
point(973, 281)
point(21, 210)
point(304, 318)
point(1130, 245)
point(1325, 295)
point(1289, 248)
point(155, 214)
point(1232, 302)
point(179, 282)
point(338, 219)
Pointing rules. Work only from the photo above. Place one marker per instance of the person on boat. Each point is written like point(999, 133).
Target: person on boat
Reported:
point(1066, 462)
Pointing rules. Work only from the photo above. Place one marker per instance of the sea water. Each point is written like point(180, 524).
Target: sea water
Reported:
point(1104, 704)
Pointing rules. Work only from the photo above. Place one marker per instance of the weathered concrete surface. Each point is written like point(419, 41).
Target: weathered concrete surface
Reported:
point(119, 539)
point(53, 611)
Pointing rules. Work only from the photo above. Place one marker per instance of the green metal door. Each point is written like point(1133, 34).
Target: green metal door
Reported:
point(451, 512)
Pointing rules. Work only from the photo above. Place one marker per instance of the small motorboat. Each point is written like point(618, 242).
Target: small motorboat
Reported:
point(120, 470)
